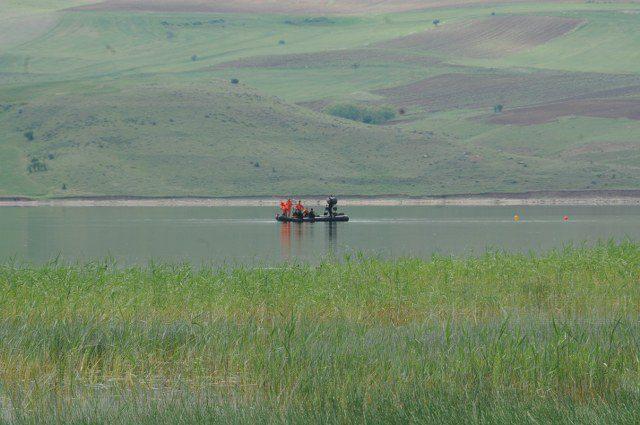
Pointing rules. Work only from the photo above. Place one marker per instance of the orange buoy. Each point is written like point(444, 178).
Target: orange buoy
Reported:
point(516, 218)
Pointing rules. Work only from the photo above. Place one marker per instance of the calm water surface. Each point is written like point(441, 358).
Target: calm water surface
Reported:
point(249, 235)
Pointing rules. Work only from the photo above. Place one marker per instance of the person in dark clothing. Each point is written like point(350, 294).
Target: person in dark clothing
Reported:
point(332, 201)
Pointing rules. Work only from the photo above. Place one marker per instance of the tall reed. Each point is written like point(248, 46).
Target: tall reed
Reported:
point(493, 339)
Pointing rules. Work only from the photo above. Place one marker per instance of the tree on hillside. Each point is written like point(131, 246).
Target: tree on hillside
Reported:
point(36, 166)
point(436, 22)
point(498, 109)
point(368, 114)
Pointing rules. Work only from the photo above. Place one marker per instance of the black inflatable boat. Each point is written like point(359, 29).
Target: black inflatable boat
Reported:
point(317, 219)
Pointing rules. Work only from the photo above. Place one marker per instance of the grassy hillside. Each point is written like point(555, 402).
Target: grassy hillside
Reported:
point(100, 100)
point(499, 339)
point(181, 134)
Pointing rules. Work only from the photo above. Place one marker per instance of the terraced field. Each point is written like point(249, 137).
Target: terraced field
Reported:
point(136, 98)
point(492, 37)
point(606, 108)
point(473, 88)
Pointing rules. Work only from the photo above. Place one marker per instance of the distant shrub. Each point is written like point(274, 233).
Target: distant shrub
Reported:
point(29, 135)
point(194, 58)
point(64, 186)
point(281, 42)
point(402, 111)
point(436, 22)
point(368, 114)
point(192, 23)
point(36, 166)
point(320, 20)
point(234, 81)
point(498, 109)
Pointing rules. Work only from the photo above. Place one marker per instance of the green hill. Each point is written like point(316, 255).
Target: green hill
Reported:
point(102, 100)
point(193, 134)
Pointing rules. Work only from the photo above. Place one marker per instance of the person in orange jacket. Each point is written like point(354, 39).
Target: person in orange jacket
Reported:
point(299, 209)
point(289, 206)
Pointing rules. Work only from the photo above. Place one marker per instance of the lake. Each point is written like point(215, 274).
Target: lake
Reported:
point(250, 235)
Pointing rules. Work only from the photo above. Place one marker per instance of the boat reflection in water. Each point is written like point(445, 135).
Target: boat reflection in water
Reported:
point(285, 241)
point(298, 239)
point(331, 240)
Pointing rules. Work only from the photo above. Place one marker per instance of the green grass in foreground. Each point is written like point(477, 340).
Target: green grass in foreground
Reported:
point(504, 338)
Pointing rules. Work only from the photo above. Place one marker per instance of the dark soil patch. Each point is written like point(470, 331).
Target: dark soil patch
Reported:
point(603, 108)
point(352, 58)
point(473, 89)
point(488, 38)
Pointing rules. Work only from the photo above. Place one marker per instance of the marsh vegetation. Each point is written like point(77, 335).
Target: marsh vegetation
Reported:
point(498, 338)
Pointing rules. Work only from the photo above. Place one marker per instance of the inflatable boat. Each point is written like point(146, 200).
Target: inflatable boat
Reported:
point(316, 219)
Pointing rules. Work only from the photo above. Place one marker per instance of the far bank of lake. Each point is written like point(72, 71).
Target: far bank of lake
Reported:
point(573, 197)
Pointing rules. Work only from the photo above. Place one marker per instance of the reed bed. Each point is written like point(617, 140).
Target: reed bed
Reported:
point(501, 338)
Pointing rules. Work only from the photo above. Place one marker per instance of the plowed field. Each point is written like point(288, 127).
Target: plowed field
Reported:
point(604, 108)
point(488, 38)
point(339, 58)
point(475, 90)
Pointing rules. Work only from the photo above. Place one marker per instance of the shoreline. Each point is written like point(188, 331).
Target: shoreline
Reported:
point(558, 198)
